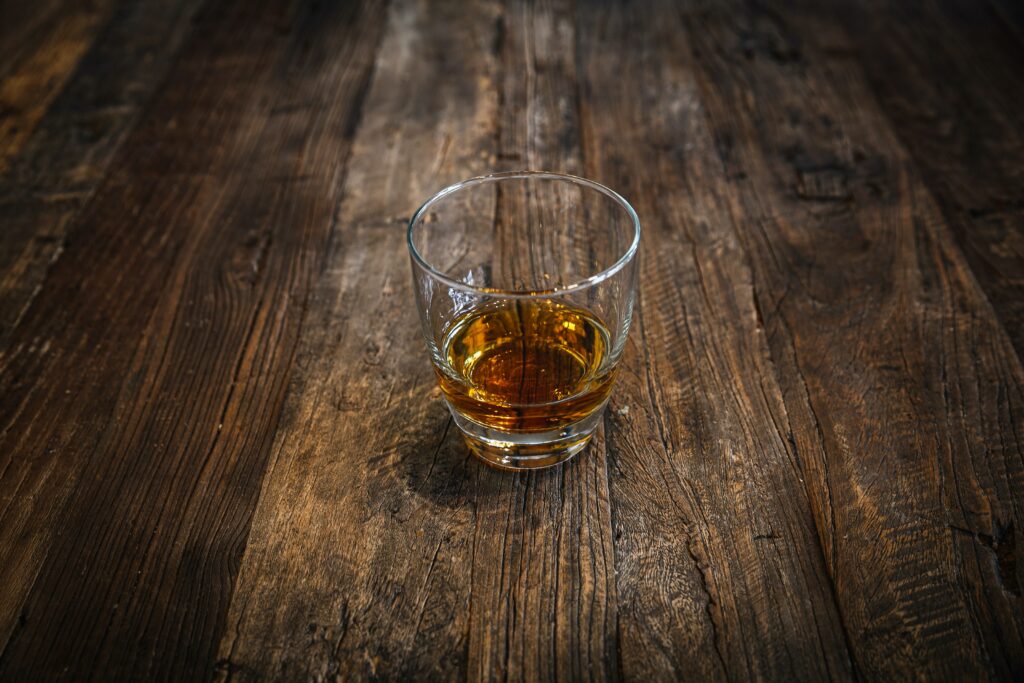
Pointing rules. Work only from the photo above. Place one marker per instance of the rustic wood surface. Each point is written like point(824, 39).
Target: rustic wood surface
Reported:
point(222, 452)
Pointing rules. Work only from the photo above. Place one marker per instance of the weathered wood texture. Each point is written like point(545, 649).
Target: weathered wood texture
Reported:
point(65, 158)
point(901, 390)
point(222, 453)
point(948, 75)
point(128, 486)
point(42, 44)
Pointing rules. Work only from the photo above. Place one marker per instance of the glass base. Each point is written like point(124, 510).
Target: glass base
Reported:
point(517, 451)
point(517, 458)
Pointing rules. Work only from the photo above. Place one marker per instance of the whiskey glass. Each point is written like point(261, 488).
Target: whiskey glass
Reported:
point(525, 283)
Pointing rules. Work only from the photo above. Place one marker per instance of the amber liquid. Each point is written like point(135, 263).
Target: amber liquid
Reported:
point(526, 365)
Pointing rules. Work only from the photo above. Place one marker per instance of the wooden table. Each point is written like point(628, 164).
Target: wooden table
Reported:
point(223, 455)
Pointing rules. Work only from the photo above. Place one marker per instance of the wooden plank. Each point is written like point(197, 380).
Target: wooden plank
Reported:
point(543, 603)
point(719, 570)
point(63, 161)
point(358, 562)
point(538, 128)
point(380, 548)
point(30, 82)
point(142, 388)
point(949, 77)
point(812, 464)
point(902, 388)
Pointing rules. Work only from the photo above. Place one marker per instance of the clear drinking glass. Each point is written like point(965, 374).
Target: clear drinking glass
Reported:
point(525, 284)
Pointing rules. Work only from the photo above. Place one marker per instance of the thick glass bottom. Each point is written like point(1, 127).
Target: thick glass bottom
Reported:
point(518, 451)
point(517, 458)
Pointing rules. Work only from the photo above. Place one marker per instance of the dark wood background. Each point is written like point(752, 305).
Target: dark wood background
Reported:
point(222, 453)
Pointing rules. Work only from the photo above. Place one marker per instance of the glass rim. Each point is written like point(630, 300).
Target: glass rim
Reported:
point(590, 281)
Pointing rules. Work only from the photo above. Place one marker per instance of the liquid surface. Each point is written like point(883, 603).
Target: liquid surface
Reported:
point(526, 365)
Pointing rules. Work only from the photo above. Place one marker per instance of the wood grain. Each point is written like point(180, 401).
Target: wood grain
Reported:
point(365, 468)
point(543, 587)
point(512, 574)
point(882, 387)
point(707, 499)
point(61, 164)
point(43, 52)
point(948, 76)
point(169, 426)
point(222, 452)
